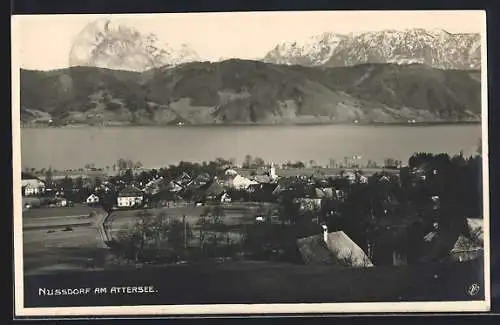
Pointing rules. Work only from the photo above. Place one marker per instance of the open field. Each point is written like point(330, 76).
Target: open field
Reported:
point(60, 238)
point(56, 250)
point(65, 238)
point(76, 210)
point(264, 282)
point(234, 214)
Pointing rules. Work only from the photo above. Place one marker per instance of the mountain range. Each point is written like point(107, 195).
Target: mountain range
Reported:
point(435, 48)
point(248, 92)
point(117, 46)
point(122, 76)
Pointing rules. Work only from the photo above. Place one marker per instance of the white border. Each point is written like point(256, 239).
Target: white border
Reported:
point(228, 309)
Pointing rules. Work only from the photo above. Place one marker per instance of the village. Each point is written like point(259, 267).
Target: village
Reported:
point(355, 217)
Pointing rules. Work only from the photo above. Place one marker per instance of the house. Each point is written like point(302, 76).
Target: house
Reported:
point(230, 172)
point(225, 198)
point(202, 178)
point(423, 171)
point(153, 186)
point(183, 180)
point(476, 228)
point(92, 199)
point(308, 204)
point(174, 187)
point(214, 191)
point(326, 192)
point(470, 244)
point(335, 248)
point(130, 196)
point(61, 202)
point(239, 182)
point(31, 185)
point(263, 192)
point(384, 179)
point(466, 249)
point(261, 179)
point(167, 198)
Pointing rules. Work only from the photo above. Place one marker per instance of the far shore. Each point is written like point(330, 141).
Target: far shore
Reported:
point(208, 125)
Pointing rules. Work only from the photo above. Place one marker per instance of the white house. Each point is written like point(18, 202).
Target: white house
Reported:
point(92, 199)
point(230, 172)
point(130, 197)
point(363, 179)
point(32, 186)
point(240, 182)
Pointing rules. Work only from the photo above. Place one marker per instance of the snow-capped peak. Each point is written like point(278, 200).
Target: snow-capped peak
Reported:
point(434, 47)
point(314, 50)
point(117, 46)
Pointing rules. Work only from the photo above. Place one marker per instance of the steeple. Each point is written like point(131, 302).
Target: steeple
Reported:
point(325, 233)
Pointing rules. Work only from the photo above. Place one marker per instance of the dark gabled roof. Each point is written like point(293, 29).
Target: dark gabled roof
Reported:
point(263, 187)
point(183, 178)
point(215, 189)
point(130, 191)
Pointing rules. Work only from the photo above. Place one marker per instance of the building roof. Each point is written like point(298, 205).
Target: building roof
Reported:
point(215, 188)
point(130, 191)
point(476, 228)
point(338, 250)
point(327, 192)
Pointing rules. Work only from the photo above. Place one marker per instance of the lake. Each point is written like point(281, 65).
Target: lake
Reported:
point(66, 148)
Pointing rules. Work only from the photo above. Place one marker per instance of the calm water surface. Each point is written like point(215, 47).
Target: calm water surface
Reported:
point(64, 148)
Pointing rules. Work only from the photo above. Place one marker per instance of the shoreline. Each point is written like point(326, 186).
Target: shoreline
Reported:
point(214, 125)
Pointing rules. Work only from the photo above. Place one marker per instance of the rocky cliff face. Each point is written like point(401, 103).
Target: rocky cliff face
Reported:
point(436, 48)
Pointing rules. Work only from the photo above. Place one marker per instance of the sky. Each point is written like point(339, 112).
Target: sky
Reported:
point(44, 42)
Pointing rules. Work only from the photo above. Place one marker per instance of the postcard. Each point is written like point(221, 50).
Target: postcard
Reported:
point(250, 163)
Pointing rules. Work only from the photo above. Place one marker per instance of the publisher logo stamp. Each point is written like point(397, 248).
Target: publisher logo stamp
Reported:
point(473, 289)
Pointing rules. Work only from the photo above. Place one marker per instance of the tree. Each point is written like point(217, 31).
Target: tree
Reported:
point(289, 210)
point(79, 183)
point(247, 163)
point(121, 164)
point(258, 162)
point(48, 176)
point(202, 223)
point(67, 184)
point(178, 232)
point(128, 176)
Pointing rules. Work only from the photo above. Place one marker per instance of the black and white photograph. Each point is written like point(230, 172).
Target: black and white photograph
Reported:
point(250, 163)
